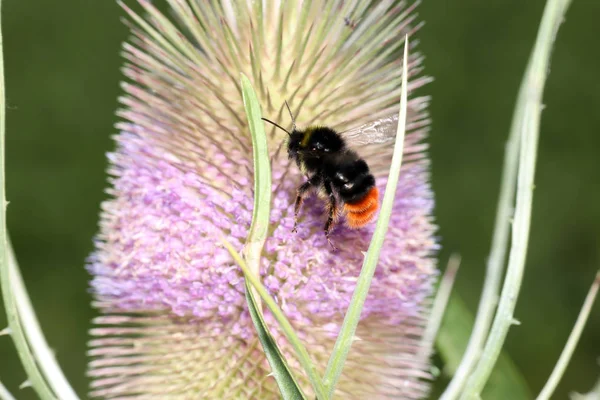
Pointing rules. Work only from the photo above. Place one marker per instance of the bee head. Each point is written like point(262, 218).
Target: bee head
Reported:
point(295, 144)
point(317, 141)
point(314, 142)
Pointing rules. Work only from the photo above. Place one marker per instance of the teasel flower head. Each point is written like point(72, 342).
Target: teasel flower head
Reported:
point(174, 320)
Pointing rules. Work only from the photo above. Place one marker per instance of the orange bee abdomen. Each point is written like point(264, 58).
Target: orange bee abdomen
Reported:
point(360, 213)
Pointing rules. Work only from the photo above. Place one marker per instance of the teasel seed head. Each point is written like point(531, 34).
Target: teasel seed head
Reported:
point(174, 321)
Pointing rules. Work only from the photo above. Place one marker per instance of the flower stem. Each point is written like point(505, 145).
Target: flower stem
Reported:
point(439, 306)
point(4, 393)
point(495, 264)
point(531, 107)
point(43, 372)
point(346, 335)
point(34, 335)
point(565, 357)
point(12, 314)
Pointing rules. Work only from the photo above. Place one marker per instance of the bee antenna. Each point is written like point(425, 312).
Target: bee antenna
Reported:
point(277, 125)
point(291, 115)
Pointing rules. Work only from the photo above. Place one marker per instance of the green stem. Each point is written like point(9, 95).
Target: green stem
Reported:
point(439, 306)
point(532, 90)
point(565, 357)
point(14, 323)
point(495, 264)
point(4, 393)
point(35, 338)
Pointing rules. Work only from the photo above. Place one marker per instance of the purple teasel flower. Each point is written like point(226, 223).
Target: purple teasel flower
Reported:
point(174, 321)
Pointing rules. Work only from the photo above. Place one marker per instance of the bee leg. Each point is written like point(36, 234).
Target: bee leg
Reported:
point(332, 211)
point(301, 194)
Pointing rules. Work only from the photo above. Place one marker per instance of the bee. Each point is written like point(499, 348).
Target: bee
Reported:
point(336, 171)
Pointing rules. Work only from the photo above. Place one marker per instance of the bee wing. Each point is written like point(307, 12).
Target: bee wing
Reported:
point(382, 130)
point(374, 141)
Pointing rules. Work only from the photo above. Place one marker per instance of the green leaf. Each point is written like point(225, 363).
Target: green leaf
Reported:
point(288, 386)
point(262, 178)
point(346, 335)
point(250, 263)
point(284, 323)
point(506, 382)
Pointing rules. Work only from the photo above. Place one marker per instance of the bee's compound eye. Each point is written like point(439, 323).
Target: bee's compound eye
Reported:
point(348, 185)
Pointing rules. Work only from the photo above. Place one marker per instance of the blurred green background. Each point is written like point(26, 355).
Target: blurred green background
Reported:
point(62, 75)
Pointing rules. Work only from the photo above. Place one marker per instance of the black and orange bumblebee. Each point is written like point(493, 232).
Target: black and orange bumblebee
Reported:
point(336, 171)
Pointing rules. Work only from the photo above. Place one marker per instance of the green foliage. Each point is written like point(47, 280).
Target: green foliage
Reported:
point(288, 386)
point(61, 103)
point(258, 232)
point(505, 382)
point(346, 335)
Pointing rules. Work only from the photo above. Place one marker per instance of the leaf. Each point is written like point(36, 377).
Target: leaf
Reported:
point(284, 323)
point(288, 386)
point(506, 381)
point(256, 238)
point(346, 335)
point(262, 172)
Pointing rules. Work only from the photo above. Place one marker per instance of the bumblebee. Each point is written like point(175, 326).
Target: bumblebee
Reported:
point(336, 171)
